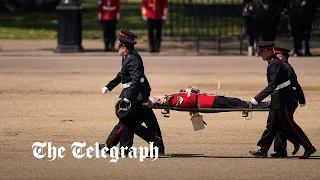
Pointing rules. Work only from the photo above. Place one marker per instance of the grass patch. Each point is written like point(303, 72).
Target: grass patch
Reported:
point(26, 33)
point(93, 3)
point(44, 25)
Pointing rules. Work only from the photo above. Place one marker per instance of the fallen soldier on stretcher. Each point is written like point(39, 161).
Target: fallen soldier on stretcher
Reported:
point(191, 97)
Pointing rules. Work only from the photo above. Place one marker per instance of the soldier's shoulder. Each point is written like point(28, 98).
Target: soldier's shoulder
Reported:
point(134, 56)
point(287, 64)
point(275, 61)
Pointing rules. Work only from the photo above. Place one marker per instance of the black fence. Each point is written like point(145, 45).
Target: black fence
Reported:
point(216, 20)
point(183, 21)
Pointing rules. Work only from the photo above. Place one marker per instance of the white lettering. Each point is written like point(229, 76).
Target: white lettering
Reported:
point(77, 149)
point(53, 152)
point(123, 151)
point(38, 149)
point(114, 154)
point(104, 151)
point(133, 152)
point(97, 149)
point(155, 150)
point(60, 151)
point(143, 153)
point(88, 152)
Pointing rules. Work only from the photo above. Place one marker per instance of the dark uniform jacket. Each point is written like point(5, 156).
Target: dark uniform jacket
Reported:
point(294, 81)
point(277, 74)
point(132, 71)
point(146, 82)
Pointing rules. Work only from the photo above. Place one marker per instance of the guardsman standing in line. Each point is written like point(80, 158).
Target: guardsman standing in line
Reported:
point(109, 15)
point(154, 12)
point(301, 14)
point(248, 14)
point(283, 105)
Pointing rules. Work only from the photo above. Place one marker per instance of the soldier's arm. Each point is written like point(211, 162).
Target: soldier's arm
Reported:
point(136, 74)
point(300, 94)
point(144, 8)
point(113, 83)
point(118, 9)
point(295, 83)
point(165, 8)
point(99, 9)
point(272, 85)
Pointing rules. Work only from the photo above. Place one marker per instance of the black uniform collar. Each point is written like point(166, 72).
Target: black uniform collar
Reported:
point(273, 56)
point(126, 56)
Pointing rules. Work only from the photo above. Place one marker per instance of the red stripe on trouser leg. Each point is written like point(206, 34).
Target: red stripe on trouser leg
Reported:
point(294, 129)
point(115, 136)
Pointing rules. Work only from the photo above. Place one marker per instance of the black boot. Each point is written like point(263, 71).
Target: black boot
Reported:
point(308, 152)
point(259, 153)
point(279, 154)
point(297, 53)
point(159, 143)
point(296, 148)
point(307, 53)
point(106, 46)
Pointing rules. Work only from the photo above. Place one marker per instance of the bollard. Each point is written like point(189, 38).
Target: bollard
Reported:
point(69, 26)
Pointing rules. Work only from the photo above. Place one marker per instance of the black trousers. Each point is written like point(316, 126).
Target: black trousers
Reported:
point(280, 141)
point(281, 121)
point(109, 33)
point(267, 29)
point(301, 25)
point(155, 34)
point(228, 102)
point(250, 27)
point(127, 134)
point(152, 124)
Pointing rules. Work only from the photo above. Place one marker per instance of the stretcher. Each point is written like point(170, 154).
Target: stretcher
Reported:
point(197, 119)
point(165, 110)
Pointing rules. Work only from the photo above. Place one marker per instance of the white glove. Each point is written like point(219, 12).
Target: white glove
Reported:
point(144, 18)
point(126, 100)
point(104, 90)
point(118, 16)
point(303, 105)
point(254, 102)
point(164, 17)
point(153, 100)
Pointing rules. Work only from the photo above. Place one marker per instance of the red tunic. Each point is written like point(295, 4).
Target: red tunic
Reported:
point(108, 10)
point(154, 8)
point(206, 101)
